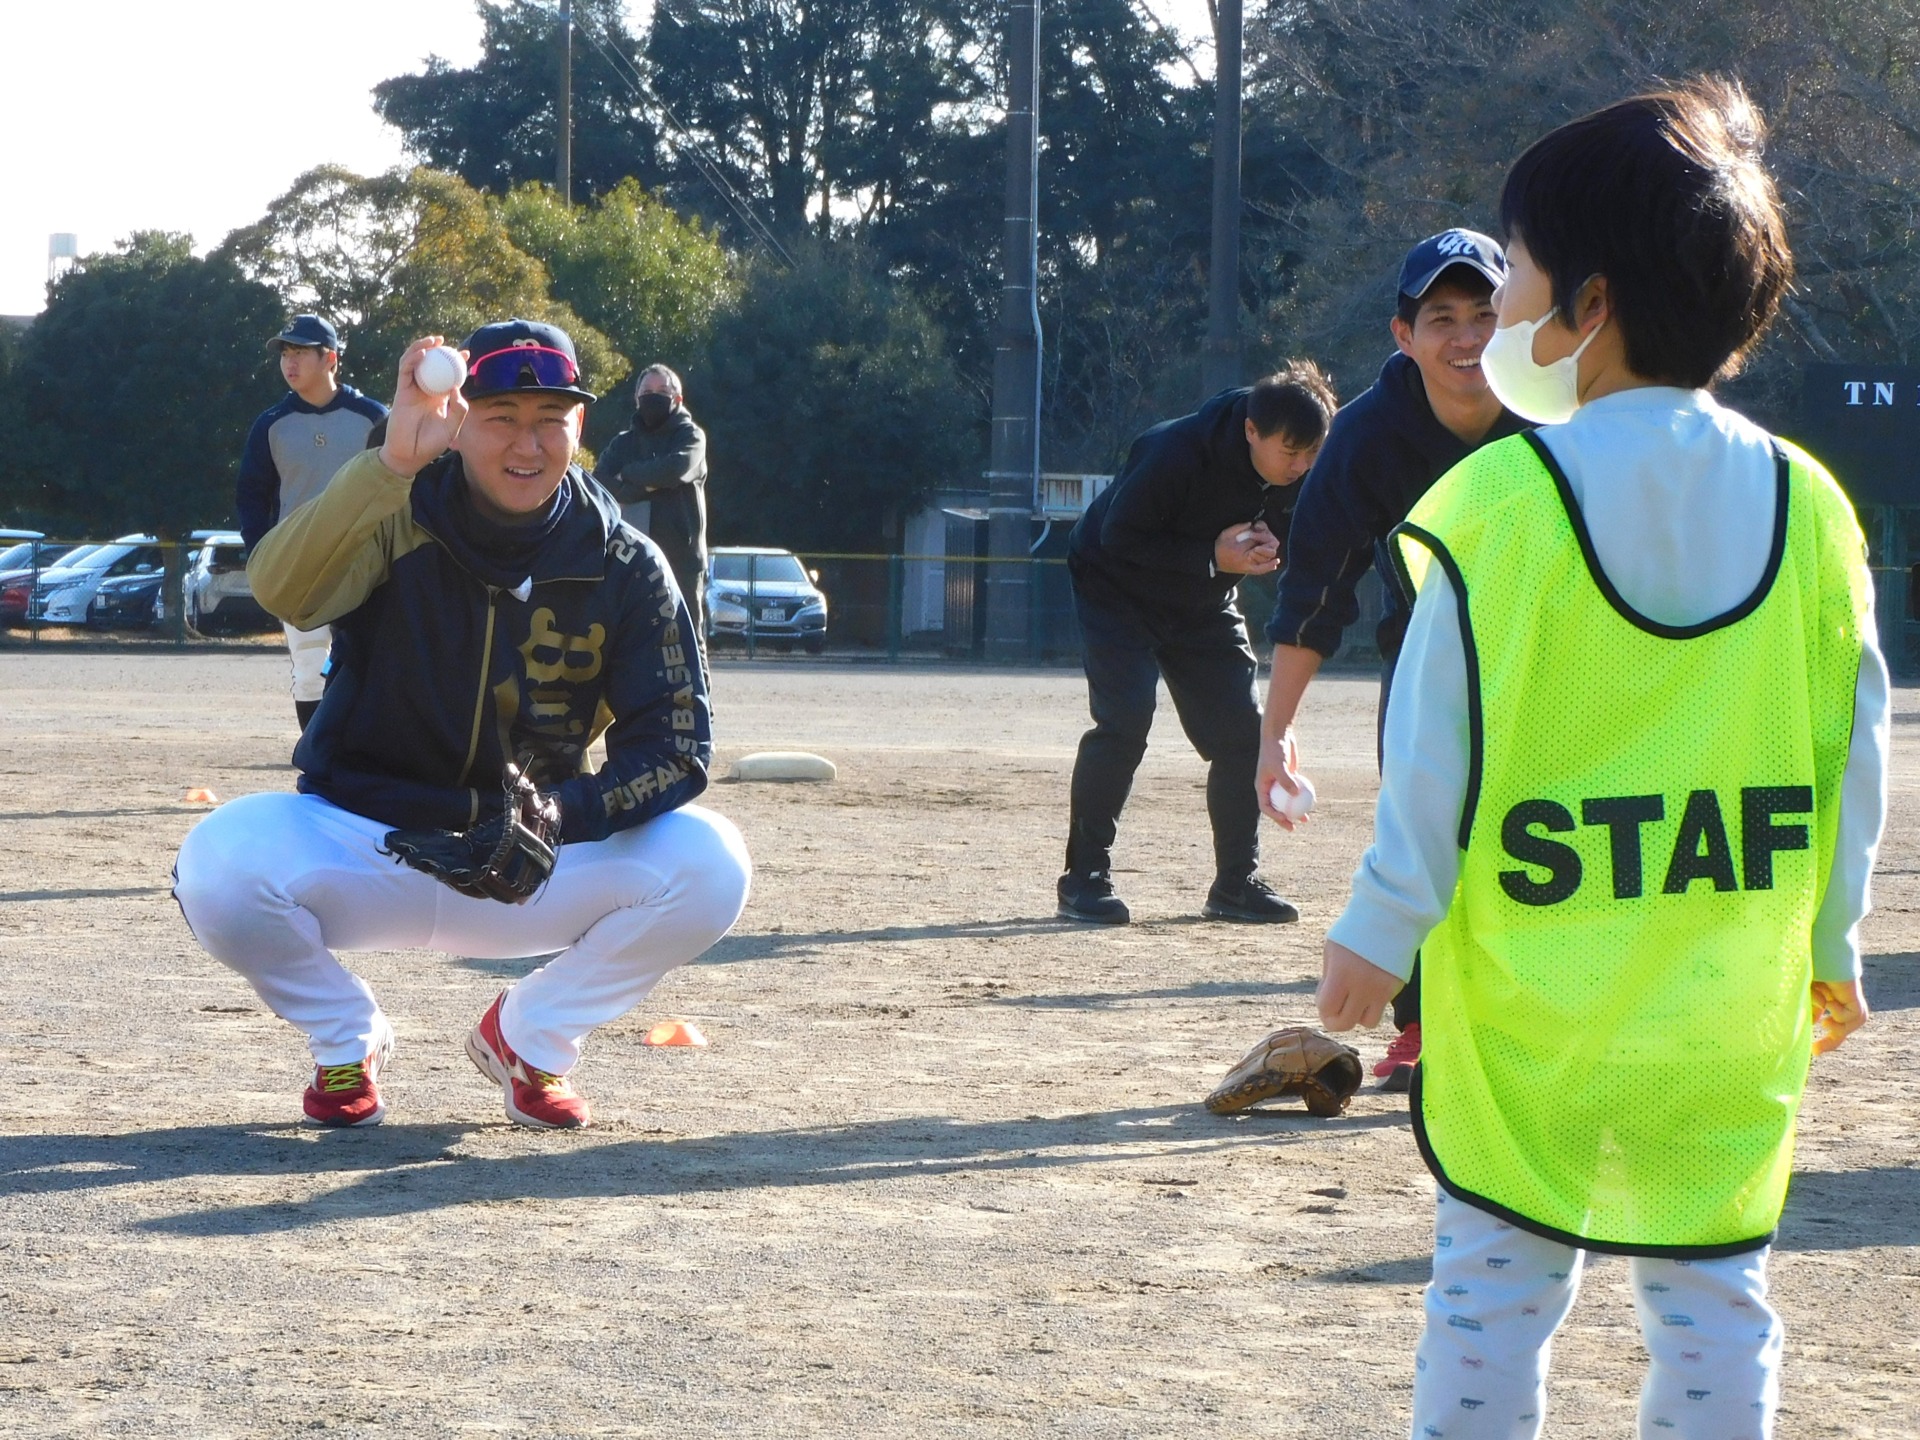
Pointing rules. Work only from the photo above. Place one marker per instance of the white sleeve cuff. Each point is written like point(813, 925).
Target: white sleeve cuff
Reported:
point(1380, 934)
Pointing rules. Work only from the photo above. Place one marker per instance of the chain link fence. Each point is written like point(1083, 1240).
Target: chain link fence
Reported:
point(130, 590)
point(898, 608)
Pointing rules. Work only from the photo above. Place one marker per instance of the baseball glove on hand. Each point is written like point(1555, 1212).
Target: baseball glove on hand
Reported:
point(507, 858)
point(1294, 1061)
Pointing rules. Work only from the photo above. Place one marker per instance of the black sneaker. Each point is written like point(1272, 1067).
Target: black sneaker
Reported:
point(1091, 897)
point(1251, 901)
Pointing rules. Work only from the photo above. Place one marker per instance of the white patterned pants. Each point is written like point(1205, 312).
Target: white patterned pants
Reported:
point(1499, 1293)
point(308, 651)
point(273, 884)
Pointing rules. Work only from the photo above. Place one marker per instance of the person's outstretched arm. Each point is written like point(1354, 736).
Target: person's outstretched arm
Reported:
point(1406, 878)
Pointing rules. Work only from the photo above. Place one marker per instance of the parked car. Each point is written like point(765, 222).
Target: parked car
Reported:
point(127, 602)
point(218, 595)
point(24, 564)
point(64, 593)
point(770, 589)
point(21, 554)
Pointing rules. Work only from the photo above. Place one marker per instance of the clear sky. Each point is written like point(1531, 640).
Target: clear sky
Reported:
point(193, 115)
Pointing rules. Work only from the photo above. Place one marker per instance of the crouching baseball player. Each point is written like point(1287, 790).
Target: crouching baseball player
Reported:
point(491, 616)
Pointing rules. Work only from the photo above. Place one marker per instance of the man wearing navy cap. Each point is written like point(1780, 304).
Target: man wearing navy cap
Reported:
point(292, 451)
point(489, 608)
point(1428, 410)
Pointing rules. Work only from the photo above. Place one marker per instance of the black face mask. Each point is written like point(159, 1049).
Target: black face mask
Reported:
point(653, 409)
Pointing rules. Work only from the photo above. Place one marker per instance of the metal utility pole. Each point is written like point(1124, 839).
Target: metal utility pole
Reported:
point(1223, 365)
point(563, 138)
point(1014, 476)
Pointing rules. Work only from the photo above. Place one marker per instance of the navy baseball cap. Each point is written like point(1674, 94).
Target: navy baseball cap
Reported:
point(514, 355)
point(308, 330)
point(1428, 260)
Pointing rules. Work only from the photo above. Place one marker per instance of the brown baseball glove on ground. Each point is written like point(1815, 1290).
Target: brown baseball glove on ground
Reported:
point(1294, 1061)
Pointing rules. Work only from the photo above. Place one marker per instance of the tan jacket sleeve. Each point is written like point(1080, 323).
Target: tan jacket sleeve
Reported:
point(326, 557)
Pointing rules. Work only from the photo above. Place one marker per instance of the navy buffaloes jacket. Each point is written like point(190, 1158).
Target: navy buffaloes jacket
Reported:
point(1383, 452)
point(459, 645)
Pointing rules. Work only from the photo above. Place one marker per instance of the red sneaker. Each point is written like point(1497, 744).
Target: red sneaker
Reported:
point(536, 1098)
point(1395, 1071)
point(349, 1094)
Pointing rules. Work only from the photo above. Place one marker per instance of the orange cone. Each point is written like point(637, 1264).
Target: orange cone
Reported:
point(675, 1032)
point(200, 796)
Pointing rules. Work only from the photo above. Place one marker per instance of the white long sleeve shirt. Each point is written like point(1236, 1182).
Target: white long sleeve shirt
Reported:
point(1678, 495)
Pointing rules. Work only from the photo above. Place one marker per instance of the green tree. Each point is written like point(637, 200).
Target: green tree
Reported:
point(494, 125)
point(882, 120)
point(1410, 115)
point(1125, 223)
point(13, 335)
point(831, 406)
point(824, 114)
point(407, 253)
point(632, 268)
point(132, 392)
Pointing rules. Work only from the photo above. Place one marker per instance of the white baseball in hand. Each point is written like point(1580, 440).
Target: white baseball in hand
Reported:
point(441, 370)
point(1296, 807)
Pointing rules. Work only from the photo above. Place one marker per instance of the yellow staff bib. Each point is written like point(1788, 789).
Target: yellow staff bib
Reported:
point(1614, 1010)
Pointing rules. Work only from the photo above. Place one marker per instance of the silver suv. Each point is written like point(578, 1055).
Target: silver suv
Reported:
point(769, 591)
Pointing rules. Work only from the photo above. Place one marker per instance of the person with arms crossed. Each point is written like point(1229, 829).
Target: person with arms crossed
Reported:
point(292, 452)
point(1634, 781)
point(657, 469)
point(491, 614)
point(1428, 410)
point(1154, 561)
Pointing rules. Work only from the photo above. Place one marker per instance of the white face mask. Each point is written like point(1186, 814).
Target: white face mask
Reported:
point(1544, 394)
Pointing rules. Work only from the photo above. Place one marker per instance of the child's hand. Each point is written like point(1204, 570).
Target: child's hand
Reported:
point(1839, 1009)
point(1353, 991)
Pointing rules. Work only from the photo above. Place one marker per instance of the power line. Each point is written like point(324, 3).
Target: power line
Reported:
point(683, 142)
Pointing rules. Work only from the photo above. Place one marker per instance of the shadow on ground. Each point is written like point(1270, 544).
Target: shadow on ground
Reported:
point(781, 944)
point(119, 893)
point(408, 1169)
point(1892, 982)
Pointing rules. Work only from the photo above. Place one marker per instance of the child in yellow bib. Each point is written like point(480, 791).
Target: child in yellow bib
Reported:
point(1634, 780)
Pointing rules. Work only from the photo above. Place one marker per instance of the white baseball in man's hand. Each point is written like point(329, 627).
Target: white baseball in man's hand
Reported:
point(1296, 807)
point(441, 370)
point(422, 424)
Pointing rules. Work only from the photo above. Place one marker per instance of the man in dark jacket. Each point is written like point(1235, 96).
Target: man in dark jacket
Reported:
point(1427, 412)
point(1200, 502)
point(489, 608)
point(658, 472)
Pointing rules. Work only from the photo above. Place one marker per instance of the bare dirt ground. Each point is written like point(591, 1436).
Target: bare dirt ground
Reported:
point(943, 1171)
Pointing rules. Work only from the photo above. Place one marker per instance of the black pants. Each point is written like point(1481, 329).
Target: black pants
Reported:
point(1406, 1005)
point(1209, 669)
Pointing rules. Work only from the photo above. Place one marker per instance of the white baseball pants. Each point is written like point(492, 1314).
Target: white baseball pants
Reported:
point(308, 651)
point(1499, 1293)
point(274, 884)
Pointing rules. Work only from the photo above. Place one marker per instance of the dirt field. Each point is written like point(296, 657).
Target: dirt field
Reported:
point(943, 1171)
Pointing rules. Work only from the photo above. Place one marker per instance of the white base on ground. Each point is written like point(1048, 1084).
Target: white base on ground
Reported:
point(783, 765)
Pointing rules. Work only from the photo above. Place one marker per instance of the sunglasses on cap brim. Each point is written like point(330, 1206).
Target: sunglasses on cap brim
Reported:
point(522, 367)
